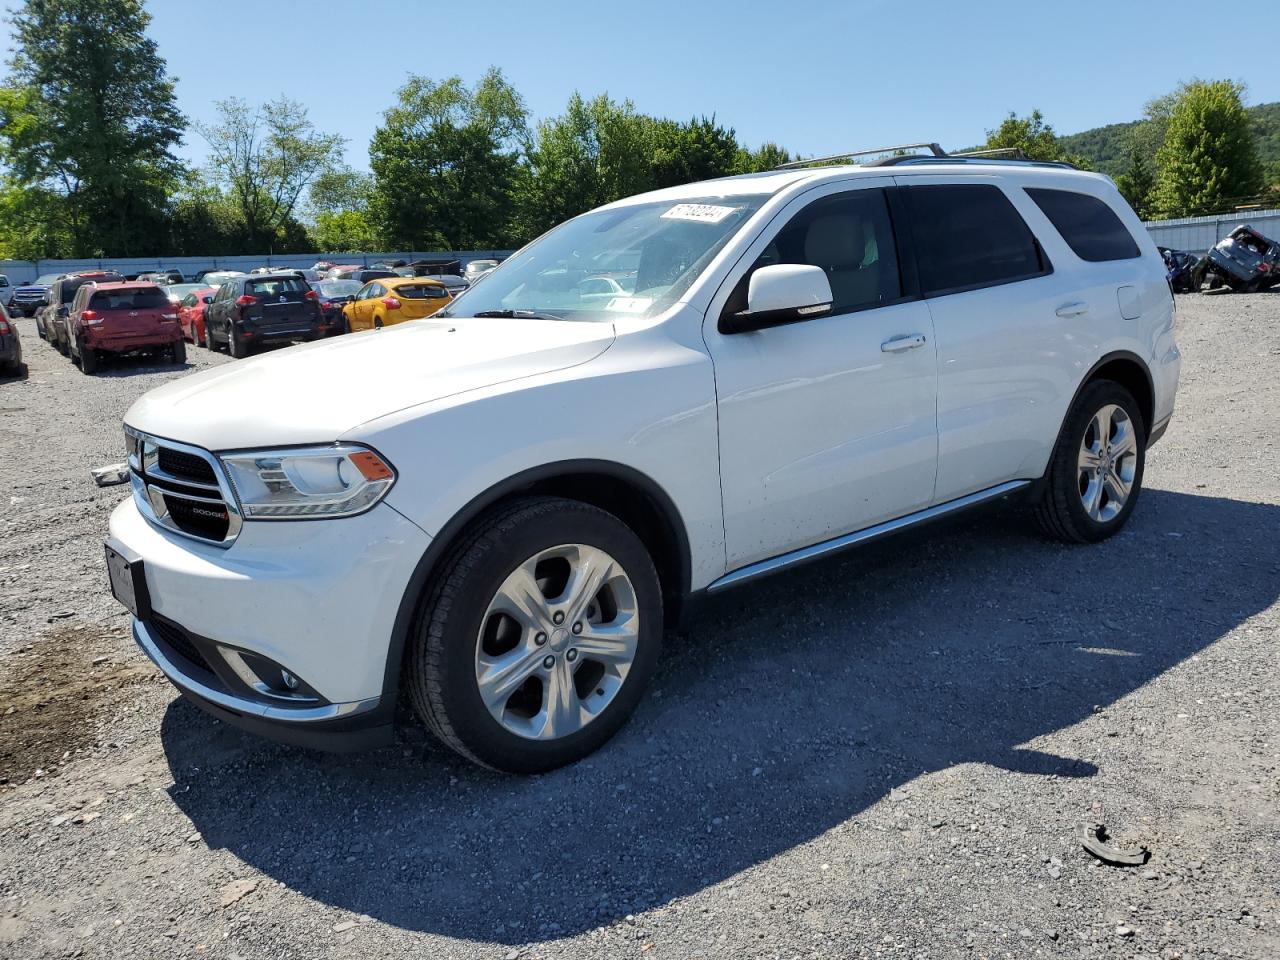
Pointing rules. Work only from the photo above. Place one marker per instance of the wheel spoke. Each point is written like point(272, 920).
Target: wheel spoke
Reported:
point(1093, 497)
point(501, 677)
point(522, 599)
point(593, 570)
point(1102, 425)
point(561, 708)
point(1125, 443)
point(1117, 489)
point(613, 644)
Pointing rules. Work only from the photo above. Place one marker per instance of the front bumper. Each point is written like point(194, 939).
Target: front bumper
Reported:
point(317, 598)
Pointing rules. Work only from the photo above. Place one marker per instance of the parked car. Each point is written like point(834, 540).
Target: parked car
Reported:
point(121, 318)
point(1244, 260)
point(452, 282)
point(191, 312)
point(28, 299)
point(1181, 266)
point(162, 277)
point(386, 302)
point(365, 274)
point(496, 514)
point(335, 271)
point(177, 292)
point(250, 311)
point(5, 288)
point(216, 278)
point(476, 269)
point(333, 295)
point(55, 315)
point(10, 346)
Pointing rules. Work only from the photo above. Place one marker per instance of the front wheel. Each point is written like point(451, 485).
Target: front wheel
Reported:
point(1095, 473)
point(538, 637)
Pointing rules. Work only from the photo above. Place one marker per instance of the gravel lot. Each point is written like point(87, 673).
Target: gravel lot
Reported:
point(893, 754)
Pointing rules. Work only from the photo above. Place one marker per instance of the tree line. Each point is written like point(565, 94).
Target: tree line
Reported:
point(89, 124)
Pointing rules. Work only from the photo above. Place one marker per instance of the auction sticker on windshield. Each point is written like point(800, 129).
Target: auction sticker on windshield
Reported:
point(700, 212)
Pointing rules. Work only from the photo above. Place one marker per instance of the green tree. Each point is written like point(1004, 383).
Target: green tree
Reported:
point(445, 164)
point(1138, 180)
point(1033, 135)
point(339, 211)
point(87, 120)
point(688, 152)
point(266, 158)
point(769, 156)
point(1208, 161)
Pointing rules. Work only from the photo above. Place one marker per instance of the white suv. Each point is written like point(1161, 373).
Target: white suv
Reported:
point(493, 512)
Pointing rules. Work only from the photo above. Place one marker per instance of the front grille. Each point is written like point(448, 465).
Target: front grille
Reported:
point(186, 466)
point(182, 488)
point(175, 640)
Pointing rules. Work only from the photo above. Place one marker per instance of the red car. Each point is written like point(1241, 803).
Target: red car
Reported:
point(122, 318)
point(191, 313)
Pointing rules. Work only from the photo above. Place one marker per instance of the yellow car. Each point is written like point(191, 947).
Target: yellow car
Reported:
point(380, 303)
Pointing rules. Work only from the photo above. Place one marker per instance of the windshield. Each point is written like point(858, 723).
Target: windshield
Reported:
point(339, 288)
point(177, 291)
point(47, 279)
point(633, 260)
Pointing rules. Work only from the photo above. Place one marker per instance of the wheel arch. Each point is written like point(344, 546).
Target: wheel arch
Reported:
point(632, 496)
point(1131, 372)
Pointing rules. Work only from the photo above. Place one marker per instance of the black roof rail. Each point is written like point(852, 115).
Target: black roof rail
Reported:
point(1000, 155)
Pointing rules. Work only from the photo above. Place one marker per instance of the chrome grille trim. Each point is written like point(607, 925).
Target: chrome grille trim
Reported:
point(151, 486)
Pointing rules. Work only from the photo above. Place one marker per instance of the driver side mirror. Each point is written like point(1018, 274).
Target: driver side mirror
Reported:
point(779, 294)
point(63, 312)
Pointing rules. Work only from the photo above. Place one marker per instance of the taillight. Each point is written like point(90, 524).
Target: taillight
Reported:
point(5, 329)
point(90, 316)
point(245, 300)
point(310, 295)
point(168, 316)
point(391, 303)
point(1264, 267)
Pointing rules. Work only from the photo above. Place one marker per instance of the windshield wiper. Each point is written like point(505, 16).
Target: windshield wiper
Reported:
point(517, 314)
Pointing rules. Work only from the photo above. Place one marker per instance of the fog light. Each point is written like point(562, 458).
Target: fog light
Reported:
point(289, 679)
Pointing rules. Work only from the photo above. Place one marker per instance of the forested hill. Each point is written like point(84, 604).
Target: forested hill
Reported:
point(1105, 147)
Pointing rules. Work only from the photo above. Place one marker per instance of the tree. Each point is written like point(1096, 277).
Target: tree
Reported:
point(685, 153)
point(445, 164)
point(266, 158)
point(339, 210)
point(770, 156)
point(1138, 180)
point(1208, 161)
point(1032, 135)
point(87, 120)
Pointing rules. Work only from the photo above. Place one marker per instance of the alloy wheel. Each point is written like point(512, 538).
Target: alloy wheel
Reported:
point(1108, 462)
point(557, 641)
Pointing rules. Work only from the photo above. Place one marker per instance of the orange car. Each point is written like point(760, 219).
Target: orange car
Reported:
point(380, 303)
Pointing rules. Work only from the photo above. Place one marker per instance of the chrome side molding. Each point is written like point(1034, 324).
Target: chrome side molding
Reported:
point(805, 554)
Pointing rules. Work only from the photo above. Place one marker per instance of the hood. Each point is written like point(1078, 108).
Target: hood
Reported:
point(318, 392)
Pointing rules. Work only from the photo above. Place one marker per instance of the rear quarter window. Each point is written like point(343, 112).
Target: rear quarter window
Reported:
point(969, 235)
point(1090, 227)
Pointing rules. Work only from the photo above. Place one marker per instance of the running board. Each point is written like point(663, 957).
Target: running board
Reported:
point(805, 554)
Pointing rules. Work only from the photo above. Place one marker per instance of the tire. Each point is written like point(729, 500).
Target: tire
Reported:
point(236, 346)
point(1077, 505)
point(178, 352)
point(457, 629)
point(88, 360)
point(208, 336)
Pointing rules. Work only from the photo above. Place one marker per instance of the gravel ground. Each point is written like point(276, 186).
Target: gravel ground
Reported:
point(893, 754)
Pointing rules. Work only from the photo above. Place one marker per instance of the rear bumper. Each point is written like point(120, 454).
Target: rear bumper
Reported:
point(126, 343)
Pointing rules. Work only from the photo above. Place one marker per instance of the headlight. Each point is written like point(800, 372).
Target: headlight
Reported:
point(336, 481)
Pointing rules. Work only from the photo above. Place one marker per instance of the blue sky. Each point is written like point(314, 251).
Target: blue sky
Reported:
point(816, 77)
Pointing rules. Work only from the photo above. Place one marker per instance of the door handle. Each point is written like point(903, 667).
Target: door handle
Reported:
point(1072, 309)
point(906, 342)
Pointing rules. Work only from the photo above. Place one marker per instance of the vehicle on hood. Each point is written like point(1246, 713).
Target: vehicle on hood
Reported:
point(1181, 265)
point(365, 274)
point(493, 512)
point(61, 295)
point(10, 346)
point(333, 295)
point(191, 312)
point(28, 299)
point(122, 318)
point(251, 311)
point(1244, 260)
point(392, 300)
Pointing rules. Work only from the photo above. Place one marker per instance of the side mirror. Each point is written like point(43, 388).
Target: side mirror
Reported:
point(207, 299)
point(63, 312)
point(779, 294)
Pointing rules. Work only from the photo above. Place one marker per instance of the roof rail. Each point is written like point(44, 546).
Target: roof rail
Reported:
point(936, 155)
point(936, 150)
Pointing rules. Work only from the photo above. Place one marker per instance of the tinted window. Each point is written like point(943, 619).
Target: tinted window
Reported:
point(969, 235)
point(141, 298)
point(421, 291)
point(849, 236)
point(275, 287)
point(1090, 227)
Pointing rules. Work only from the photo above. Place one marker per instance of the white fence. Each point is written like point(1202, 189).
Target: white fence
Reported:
point(1198, 234)
point(21, 271)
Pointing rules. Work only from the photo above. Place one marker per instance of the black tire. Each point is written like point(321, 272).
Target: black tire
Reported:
point(1061, 511)
point(208, 336)
point(235, 344)
point(440, 666)
point(178, 352)
point(88, 359)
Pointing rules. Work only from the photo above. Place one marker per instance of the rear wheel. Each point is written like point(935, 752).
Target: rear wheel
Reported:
point(88, 359)
point(235, 343)
point(1095, 474)
point(178, 352)
point(208, 337)
point(538, 637)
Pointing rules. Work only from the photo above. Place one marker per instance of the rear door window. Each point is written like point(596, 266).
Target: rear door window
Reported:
point(1090, 227)
point(969, 235)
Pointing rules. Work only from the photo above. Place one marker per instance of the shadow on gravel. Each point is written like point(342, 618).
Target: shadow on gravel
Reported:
point(782, 712)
